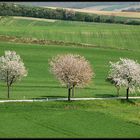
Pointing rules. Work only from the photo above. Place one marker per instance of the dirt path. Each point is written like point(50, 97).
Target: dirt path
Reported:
point(65, 99)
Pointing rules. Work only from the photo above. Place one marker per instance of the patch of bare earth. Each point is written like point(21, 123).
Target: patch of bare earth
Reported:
point(36, 19)
point(52, 42)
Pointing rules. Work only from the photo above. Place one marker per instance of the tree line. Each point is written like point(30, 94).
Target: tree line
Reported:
point(73, 70)
point(131, 10)
point(11, 9)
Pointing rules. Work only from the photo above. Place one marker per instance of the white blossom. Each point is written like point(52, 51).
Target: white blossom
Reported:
point(12, 68)
point(71, 69)
point(126, 73)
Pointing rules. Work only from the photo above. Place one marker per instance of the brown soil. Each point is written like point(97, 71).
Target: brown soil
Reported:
point(50, 42)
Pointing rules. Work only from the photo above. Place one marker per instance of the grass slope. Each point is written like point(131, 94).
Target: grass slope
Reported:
point(107, 35)
point(80, 119)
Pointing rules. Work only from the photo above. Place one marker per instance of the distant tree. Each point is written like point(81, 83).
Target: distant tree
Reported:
point(69, 14)
point(71, 70)
point(97, 18)
point(80, 16)
point(126, 73)
point(12, 68)
point(110, 19)
point(89, 18)
point(12, 9)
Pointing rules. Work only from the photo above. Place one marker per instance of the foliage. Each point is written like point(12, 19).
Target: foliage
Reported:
point(131, 10)
point(71, 70)
point(12, 68)
point(125, 72)
point(11, 9)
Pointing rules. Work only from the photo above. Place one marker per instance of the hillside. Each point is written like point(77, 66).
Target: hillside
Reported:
point(37, 40)
point(70, 31)
point(79, 4)
point(99, 6)
point(107, 13)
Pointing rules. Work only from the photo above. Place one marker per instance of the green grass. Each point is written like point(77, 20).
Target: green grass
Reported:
point(79, 119)
point(40, 83)
point(102, 119)
point(107, 35)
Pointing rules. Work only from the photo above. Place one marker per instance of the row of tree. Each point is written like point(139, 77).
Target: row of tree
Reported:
point(131, 10)
point(73, 70)
point(11, 9)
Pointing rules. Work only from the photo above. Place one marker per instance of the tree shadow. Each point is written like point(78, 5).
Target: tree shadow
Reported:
point(104, 95)
point(4, 98)
point(130, 101)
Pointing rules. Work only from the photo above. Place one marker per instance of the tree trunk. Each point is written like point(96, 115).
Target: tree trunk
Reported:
point(8, 90)
point(69, 90)
point(8, 86)
point(118, 88)
point(127, 92)
point(73, 91)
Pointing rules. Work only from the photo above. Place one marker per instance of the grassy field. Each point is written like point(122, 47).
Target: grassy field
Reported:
point(40, 82)
point(116, 118)
point(80, 119)
point(36, 56)
point(106, 35)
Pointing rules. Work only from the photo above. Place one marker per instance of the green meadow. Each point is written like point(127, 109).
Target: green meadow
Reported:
point(106, 118)
point(99, 34)
point(40, 83)
point(77, 119)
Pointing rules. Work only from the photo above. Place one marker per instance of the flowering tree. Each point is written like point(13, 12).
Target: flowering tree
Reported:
point(126, 73)
point(71, 70)
point(12, 68)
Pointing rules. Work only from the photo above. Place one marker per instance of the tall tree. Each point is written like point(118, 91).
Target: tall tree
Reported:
point(71, 70)
point(12, 69)
point(126, 73)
